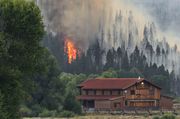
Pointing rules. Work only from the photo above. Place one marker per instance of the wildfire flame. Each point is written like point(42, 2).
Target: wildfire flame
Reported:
point(71, 50)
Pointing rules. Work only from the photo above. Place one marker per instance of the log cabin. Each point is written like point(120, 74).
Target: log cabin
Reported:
point(121, 94)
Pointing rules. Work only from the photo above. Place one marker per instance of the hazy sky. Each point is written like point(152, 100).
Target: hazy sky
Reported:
point(77, 17)
point(166, 13)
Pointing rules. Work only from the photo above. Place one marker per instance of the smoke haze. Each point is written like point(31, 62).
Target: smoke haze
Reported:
point(119, 23)
point(81, 19)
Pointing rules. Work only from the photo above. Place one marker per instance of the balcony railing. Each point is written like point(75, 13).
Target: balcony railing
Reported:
point(141, 97)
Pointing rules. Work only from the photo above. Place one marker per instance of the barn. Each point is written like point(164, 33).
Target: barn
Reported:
point(121, 94)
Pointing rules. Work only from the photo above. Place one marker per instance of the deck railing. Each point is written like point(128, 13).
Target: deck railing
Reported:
point(141, 97)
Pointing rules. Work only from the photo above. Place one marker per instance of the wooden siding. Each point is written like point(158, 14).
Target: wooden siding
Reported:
point(102, 104)
point(146, 91)
point(166, 103)
point(118, 103)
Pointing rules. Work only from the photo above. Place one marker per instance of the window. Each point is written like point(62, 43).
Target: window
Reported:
point(115, 92)
point(132, 92)
point(99, 92)
point(91, 92)
point(106, 92)
point(86, 92)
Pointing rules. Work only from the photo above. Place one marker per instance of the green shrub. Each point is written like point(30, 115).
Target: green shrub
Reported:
point(67, 114)
point(156, 117)
point(36, 110)
point(145, 115)
point(25, 111)
point(168, 116)
point(3, 113)
point(71, 104)
point(47, 113)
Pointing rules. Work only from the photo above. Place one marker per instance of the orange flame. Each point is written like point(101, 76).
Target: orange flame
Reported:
point(71, 50)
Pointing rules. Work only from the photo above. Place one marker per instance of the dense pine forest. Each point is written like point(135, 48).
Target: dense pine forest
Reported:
point(39, 73)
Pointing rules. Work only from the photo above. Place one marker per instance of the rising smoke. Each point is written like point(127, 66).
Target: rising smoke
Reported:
point(117, 22)
point(81, 19)
point(77, 19)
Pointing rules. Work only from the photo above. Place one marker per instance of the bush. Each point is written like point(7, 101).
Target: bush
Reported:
point(47, 113)
point(67, 114)
point(145, 115)
point(3, 114)
point(71, 104)
point(156, 117)
point(168, 116)
point(25, 111)
point(36, 109)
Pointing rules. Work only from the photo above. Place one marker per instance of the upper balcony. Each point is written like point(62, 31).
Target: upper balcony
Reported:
point(133, 97)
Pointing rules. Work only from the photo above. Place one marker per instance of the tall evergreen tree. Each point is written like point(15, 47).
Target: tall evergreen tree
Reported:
point(135, 57)
point(158, 50)
point(125, 62)
point(109, 60)
point(97, 56)
point(119, 57)
point(90, 60)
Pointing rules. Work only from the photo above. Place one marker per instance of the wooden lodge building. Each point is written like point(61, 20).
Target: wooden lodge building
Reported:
point(121, 94)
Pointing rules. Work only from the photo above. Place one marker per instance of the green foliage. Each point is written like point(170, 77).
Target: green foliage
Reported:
point(71, 81)
point(129, 74)
point(67, 114)
point(21, 30)
point(54, 93)
point(71, 104)
point(125, 62)
point(145, 115)
point(36, 110)
point(93, 76)
point(26, 21)
point(11, 90)
point(162, 81)
point(177, 99)
point(156, 117)
point(168, 116)
point(25, 111)
point(47, 113)
point(109, 74)
point(47, 89)
point(3, 113)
